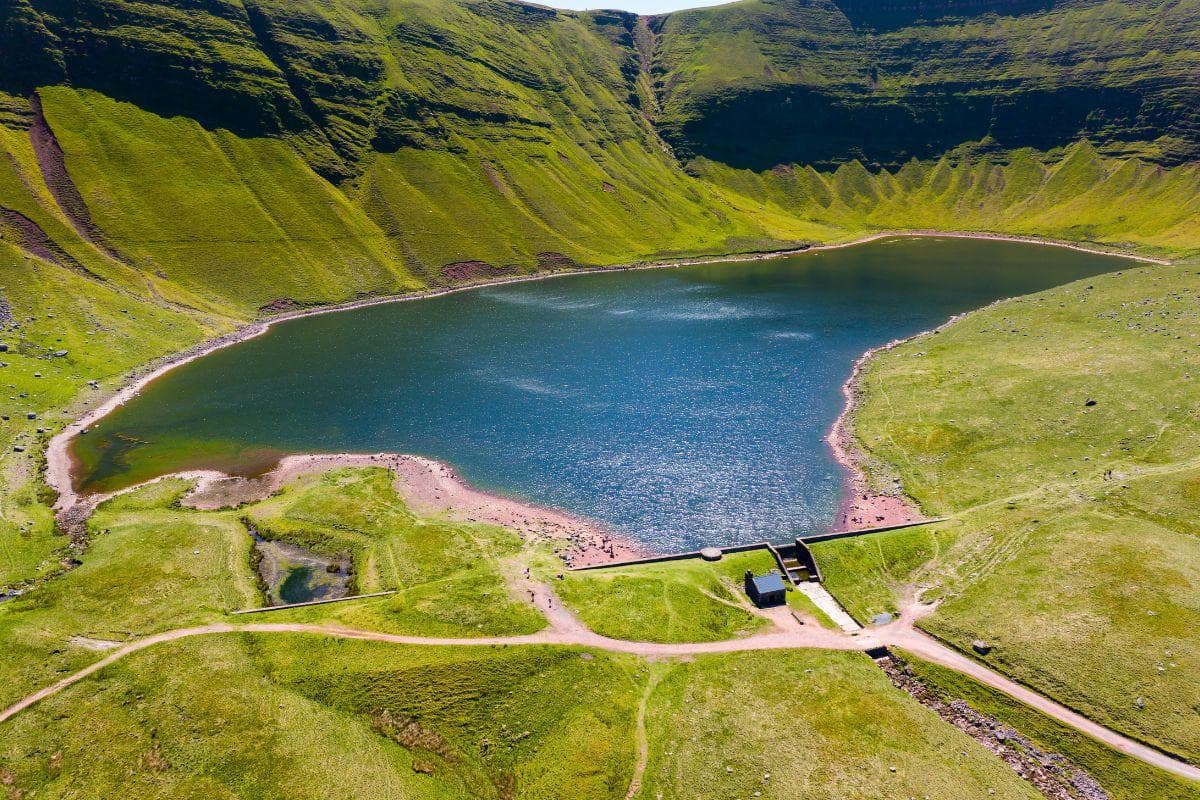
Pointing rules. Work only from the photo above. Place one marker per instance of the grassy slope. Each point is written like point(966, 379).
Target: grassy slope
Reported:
point(822, 725)
point(193, 209)
point(154, 566)
point(1073, 553)
point(302, 717)
point(675, 601)
point(105, 332)
point(448, 574)
point(1074, 194)
point(1123, 778)
point(297, 716)
point(827, 83)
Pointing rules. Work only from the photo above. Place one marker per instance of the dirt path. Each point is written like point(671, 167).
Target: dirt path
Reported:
point(565, 629)
point(643, 741)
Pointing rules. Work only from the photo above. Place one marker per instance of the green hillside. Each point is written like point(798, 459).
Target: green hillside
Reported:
point(764, 82)
point(1073, 550)
point(1075, 194)
point(172, 169)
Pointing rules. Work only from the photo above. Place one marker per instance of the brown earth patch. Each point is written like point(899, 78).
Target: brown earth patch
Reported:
point(464, 271)
point(30, 237)
point(494, 177)
point(279, 305)
point(53, 165)
point(411, 735)
point(550, 260)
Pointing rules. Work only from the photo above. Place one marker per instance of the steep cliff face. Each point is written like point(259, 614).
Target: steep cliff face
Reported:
point(240, 152)
point(228, 154)
point(752, 84)
point(337, 78)
point(822, 82)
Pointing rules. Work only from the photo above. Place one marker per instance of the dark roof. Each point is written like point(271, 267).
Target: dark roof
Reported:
point(771, 582)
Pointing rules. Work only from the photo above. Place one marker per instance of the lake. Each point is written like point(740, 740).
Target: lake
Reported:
point(683, 407)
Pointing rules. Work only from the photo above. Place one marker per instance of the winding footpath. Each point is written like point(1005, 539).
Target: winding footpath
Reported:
point(565, 629)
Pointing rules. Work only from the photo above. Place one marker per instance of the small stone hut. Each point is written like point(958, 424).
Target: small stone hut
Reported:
point(766, 590)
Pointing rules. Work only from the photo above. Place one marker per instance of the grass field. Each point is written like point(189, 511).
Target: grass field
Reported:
point(154, 566)
point(869, 574)
point(1123, 778)
point(1073, 551)
point(673, 601)
point(211, 167)
point(448, 576)
point(821, 725)
point(299, 716)
point(149, 568)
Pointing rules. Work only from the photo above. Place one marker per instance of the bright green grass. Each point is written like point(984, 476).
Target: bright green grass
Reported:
point(823, 725)
point(288, 715)
point(448, 576)
point(545, 721)
point(673, 601)
point(300, 717)
point(104, 331)
point(149, 568)
point(808, 611)
point(1122, 777)
point(154, 566)
point(1077, 195)
point(195, 208)
point(868, 574)
point(1087, 590)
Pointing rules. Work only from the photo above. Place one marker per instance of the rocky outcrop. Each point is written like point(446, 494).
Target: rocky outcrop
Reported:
point(467, 271)
point(1052, 774)
point(820, 83)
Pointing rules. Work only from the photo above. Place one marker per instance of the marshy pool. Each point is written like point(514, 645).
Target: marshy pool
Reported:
point(683, 407)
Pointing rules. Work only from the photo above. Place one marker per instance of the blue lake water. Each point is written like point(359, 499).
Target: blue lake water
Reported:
point(683, 407)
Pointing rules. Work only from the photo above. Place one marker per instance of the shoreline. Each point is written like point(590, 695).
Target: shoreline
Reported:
point(70, 504)
point(428, 488)
point(865, 505)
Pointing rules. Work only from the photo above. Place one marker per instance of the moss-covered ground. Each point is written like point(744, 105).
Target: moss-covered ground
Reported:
point(1059, 431)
